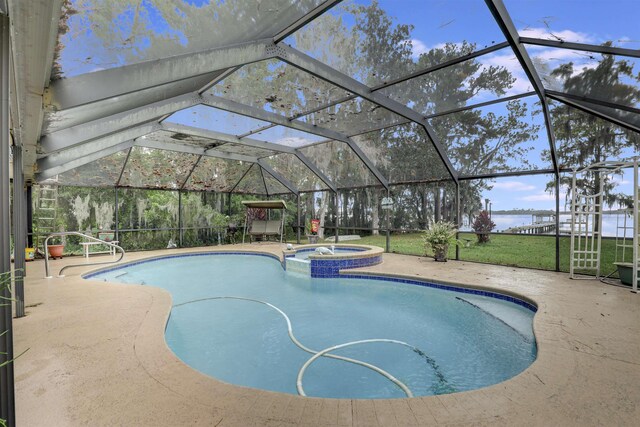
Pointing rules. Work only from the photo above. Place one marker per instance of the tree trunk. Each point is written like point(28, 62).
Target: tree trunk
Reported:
point(372, 201)
point(437, 207)
point(322, 211)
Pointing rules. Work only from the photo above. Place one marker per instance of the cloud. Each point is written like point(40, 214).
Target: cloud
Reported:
point(539, 197)
point(514, 186)
point(418, 48)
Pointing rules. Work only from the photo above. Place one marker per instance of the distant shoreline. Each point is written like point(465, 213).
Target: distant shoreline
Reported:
point(517, 212)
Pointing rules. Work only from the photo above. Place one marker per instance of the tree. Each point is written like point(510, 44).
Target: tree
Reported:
point(583, 139)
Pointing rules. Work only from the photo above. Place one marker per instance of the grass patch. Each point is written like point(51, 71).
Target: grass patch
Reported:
point(509, 250)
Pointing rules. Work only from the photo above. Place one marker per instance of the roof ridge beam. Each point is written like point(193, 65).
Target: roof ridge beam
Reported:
point(611, 50)
point(141, 98)
point(224, 137)
point(65, 138)
point(258, 113)
point(331, 75)
point(503, 19)
point(590, 109)
point(441, 65)
point(81, 161)
point(72, 153)
point(305, 19)
point(190, 149)
point(91, 87)
point(595, 101)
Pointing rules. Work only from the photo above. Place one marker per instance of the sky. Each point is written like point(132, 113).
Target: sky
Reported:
point(437, 21)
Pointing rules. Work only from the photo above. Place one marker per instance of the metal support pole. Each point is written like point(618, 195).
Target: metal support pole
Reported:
point(7, 400)
point(117, 232)
point(634, 276)
point(335, 214)
point(388, 232)
point(180, 230)
point(557, 177)
point(298, 218)
point(229, 204)
point(19, 229)
point(30, 215)
point(457, 219)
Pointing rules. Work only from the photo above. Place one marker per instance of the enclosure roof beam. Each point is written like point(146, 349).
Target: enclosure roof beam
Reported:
point(304, 20)
point(595, 101)
point(590, 109)
point(503, 19)
point(508, 174)
point(258, 113)
point(440, 66)
point(62, 119)
point(60, 158)
point(81, 161)
point(406, 77)
point(65, 138)
point(224, 137)
point(190, 149)
point(610, 50)
point(324, 72)
point(324, 178)
point(284, 181)
point(481, 104)
point(92, 87)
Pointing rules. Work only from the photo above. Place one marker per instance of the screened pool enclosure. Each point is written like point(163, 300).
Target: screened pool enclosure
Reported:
point(155, 118)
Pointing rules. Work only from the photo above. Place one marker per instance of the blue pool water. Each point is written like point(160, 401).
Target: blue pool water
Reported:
point(466, 341)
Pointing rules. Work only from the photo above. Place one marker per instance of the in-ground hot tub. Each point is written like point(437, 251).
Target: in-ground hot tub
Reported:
point(305, 259)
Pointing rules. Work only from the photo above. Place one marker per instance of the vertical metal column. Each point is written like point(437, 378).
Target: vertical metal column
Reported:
point(7, 401)
point(115, 192)
point(19, 229)
point(229, 204)
point(180, 231)
point(458, 219)
point(573, 223)
point(298, 219)
point(335, 214)
point(29, 215)
point(388, 232)
point(557, 222)
point(634, 276)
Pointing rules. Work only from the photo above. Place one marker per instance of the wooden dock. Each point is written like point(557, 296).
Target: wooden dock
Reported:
point(536, 228)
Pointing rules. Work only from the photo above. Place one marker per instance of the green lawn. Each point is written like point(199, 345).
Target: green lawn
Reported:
point(512, 250)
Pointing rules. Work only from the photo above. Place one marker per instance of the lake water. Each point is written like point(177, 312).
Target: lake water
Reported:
point(504, 222)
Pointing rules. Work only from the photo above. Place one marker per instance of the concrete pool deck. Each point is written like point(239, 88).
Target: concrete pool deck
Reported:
point(97, 356)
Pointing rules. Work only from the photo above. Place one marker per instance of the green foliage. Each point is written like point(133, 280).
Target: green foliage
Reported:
point(439, 237)
point(583, 139)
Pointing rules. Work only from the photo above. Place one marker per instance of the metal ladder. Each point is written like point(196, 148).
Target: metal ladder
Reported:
point(46, 211)
point(86, 236)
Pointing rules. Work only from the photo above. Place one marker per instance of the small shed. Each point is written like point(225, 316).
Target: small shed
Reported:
point(258, 222)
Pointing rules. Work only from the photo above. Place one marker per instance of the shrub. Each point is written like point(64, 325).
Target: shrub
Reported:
point(482, 226)
point(439, 237)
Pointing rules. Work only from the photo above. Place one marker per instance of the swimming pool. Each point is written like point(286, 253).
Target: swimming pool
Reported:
point(229, 321)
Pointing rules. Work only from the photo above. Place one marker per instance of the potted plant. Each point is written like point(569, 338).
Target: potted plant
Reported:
point(439, 237)
point(55, 248)
point(482, 226)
